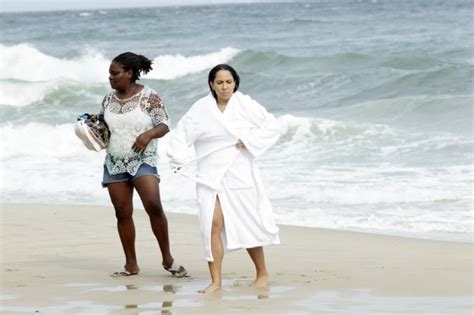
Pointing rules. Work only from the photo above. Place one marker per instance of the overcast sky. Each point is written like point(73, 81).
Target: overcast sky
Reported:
point(49, 5)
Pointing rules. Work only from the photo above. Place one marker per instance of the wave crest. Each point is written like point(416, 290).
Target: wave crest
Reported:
point(23, 67)
point(24, 62)
point(170, 67)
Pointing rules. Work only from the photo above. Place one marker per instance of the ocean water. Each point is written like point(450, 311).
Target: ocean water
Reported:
point(376, 98)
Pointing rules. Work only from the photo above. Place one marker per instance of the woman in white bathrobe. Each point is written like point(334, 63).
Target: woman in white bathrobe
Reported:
point(228, 130)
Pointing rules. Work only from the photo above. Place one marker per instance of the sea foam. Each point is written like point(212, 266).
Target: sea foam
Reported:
point(24, 62)
point(24, 67)
point(170, 67)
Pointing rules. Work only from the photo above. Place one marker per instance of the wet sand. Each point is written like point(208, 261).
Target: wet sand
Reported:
point(58, 259)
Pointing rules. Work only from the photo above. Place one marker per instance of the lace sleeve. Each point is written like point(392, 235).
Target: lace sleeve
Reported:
point(104, 104)
point(156, 109)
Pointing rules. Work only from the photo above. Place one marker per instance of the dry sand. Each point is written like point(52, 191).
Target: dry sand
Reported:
point(58, 259)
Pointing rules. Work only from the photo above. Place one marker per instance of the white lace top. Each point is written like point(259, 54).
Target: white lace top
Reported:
point(127, 119)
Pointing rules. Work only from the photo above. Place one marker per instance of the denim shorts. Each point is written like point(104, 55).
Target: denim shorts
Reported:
point(143, 170)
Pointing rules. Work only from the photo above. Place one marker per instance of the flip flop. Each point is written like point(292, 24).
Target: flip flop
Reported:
point(124, 273)
point(177, 270)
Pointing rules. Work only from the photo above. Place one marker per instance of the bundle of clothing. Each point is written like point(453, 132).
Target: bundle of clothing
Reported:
point(93, 131)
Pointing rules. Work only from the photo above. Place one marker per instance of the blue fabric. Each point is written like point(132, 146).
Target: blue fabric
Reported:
point(143, 170)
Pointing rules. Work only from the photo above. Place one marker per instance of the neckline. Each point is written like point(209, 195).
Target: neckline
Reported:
point(216, 105)
point(220, 110)
point(128, 98)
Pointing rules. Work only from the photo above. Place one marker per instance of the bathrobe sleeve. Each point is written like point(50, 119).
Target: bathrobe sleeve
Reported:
point(266, 130)
point(181, 140)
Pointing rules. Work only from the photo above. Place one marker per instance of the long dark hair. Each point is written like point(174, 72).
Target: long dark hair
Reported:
point(138, 63)
point(213, 72)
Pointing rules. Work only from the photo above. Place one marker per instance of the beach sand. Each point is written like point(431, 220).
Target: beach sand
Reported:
point(58, 259)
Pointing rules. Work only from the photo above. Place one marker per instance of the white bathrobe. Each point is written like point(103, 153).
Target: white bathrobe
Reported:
point(226, 171)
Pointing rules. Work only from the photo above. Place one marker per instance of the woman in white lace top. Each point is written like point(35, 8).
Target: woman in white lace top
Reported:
point(136, 118)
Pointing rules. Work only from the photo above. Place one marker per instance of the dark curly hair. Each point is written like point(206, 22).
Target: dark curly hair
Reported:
point(138, 63)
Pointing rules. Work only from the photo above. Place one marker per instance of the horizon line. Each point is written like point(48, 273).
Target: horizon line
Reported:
point(140, 6)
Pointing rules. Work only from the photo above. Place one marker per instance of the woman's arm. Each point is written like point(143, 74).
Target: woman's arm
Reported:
point(144, 139)
point(154, 106)
point(182, 139)
point(266, 133)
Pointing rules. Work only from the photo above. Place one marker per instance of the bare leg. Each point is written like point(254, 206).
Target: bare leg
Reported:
point(149, 192)
point(215, 267)
point(258, 259)
point(121, 194)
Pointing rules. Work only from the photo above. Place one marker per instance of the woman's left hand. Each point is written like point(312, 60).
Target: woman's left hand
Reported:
point(240, 144)
point(141, 143)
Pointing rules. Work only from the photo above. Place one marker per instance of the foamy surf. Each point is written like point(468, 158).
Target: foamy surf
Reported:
point(23, 67)
point(170, 67)
point(26, 63)
point(374, 196)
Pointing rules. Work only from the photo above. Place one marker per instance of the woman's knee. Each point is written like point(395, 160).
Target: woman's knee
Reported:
point(217, 226)
point(123, 211)
point(153, 208)
point(218, 218)
point(123, 217)
point(121, 195)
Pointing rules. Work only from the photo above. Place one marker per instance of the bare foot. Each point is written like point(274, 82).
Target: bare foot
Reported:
point(260, 281)
point(211, 288)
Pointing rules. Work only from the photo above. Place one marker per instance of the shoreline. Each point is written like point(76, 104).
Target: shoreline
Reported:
point(58, 258)
point(139, 207)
